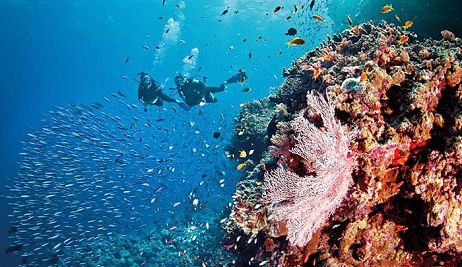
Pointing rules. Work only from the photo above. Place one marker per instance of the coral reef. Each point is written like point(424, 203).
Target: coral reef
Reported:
point(402, 100)
point(193, 244)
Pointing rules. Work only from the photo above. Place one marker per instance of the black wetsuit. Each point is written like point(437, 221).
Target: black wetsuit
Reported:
point(194, 92)
point(153, 95)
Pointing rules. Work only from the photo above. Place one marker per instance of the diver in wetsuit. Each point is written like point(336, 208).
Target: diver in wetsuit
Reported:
point(194, 91)
point(149, 93)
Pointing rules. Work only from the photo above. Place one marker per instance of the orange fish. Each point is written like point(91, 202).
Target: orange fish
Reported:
point(408, 24)
point(319, 18)
point(364, 75)
point(242, 154)
point(403, 39)
point(386, 9)
point(356, 30)
point(328, 57)
point(263, 167)
point(240, 166)
point(296, 41)
point(400, 228)
point(316, 73)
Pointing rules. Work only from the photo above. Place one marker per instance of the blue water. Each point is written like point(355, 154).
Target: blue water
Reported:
point(55, 53)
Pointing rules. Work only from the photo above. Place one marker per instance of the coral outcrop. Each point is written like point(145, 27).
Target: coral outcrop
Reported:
point(402, 100)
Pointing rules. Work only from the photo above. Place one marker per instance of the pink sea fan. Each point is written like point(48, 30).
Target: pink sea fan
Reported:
point(306, 202)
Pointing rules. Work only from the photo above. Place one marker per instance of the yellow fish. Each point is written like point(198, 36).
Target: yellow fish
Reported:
point(364, 75)
point(243, 154)
point(408, 24)
point(386, 9)
point(296, 41)
point(240, 166)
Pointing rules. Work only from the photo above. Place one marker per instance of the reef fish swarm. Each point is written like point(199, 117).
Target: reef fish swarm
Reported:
point(96, 173)
point(405, 204)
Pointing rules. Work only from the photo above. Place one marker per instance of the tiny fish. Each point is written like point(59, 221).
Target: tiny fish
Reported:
point(312, 4)
point(316, 73)
point(403, 39)
point(146, 47)
point(240, 166)
point(126, 60)
point(319, 18)
point(364, 75)
point(350, 21)
point(408, 24)
point(225, 11)
point(176, 204)
point(246, 90)
point(296, 41)
point(276, 9)
point(386, 9)
point(228, 246)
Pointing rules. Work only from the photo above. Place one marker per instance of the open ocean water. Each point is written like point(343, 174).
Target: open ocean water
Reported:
point(89, 177)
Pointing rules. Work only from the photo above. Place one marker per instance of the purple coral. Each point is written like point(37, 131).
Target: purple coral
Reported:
point(305, 202)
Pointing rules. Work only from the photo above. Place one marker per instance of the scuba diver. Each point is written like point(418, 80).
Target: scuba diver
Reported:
point(149, 93)
point(194, 92)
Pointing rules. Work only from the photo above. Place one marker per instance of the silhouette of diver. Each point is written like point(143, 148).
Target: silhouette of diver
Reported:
point(194, 92)
point(150, 93)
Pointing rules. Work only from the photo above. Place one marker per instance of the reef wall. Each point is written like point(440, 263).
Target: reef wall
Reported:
point(357, 159)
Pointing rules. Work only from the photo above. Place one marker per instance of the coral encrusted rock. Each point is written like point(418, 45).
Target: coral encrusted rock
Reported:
point(399, 99)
